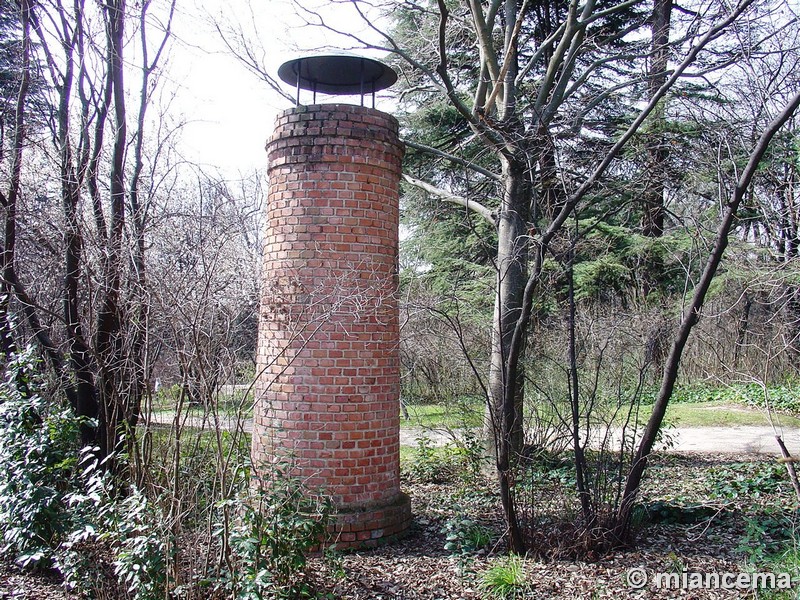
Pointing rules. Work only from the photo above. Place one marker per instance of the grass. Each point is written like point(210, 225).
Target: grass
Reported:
point(459, 415)
point(196, 445)
point(408, 454)
point(679, 414)
point(228, 404)
point(505, 580)
point(701, 408)
point(712, 413)
point(718, 414)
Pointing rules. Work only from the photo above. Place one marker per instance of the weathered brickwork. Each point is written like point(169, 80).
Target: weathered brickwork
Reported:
point(328, 354)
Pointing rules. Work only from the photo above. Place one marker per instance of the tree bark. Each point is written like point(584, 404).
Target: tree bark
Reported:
point(9, 200)
point(506, 386)
point(512, 263)
point(789, 462)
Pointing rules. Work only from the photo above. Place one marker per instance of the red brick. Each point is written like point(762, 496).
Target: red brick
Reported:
point(332, 229)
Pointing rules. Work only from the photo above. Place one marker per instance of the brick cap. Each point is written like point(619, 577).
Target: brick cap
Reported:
point(336, 107)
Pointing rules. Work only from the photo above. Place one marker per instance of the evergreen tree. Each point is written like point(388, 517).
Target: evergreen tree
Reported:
point(537, 115)
point(11, 77)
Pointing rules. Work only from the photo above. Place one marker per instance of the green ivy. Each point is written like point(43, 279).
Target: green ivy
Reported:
point(464, 536)
point(746, 480)
point(782, 397)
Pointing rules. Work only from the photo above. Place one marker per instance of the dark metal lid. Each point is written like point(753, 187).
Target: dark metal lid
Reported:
point(337, 74)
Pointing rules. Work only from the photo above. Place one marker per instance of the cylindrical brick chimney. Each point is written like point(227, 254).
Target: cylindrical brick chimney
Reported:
point(328, 352)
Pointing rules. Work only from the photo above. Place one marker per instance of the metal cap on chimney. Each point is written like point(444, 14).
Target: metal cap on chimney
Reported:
point(338, 75)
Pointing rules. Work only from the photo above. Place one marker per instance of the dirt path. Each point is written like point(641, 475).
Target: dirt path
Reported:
point(739, 439)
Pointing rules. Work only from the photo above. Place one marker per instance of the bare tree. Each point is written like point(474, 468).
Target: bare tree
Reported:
point(692, 315)
point(95, 347)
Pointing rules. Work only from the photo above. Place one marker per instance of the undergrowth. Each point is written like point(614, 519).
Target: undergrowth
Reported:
point(61, 508)
point(784, 397)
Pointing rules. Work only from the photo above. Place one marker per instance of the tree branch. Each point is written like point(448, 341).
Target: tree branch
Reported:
point(452, 158)
point(472, 205)
point(531, 285)
point(592, 180)
point(244, 52)
point(508, 58)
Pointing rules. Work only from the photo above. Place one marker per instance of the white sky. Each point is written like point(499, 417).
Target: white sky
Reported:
point(231, 113)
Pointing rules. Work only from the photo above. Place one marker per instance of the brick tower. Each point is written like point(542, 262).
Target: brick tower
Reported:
point(328, 350)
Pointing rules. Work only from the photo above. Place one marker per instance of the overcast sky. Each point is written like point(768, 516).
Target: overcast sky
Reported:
point(230, 112)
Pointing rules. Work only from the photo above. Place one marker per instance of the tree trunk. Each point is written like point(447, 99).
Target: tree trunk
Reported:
point(109, 342)
point(742, 329)
point(512, 261)
point(9, 201)
point(657, 153)
point(507, 393)
point(581, 467)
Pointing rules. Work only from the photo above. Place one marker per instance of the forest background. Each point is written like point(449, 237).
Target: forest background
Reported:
point(600, 203)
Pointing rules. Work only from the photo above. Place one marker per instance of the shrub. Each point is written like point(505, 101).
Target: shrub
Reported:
point(57, 506)
point(464, 458)
point(281, 521)
point(142, 547)
point(431, 464)
point(464, 535)
point(38, 456)
point(118, 538)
